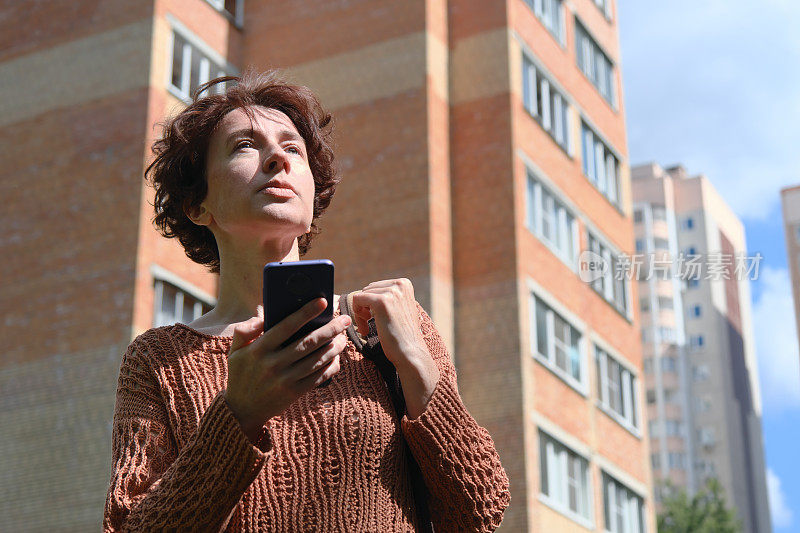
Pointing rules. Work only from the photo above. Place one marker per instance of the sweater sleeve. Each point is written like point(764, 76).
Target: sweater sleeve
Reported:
point(156, 487)
point(468, 486)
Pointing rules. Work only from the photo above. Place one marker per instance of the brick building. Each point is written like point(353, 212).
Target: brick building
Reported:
point(703, 396)
point(482, 146)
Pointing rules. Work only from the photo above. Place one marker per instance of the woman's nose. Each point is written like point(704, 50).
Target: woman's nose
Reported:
point(277, 160)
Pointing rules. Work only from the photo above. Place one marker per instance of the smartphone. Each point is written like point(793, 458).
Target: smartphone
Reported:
point(290, 285)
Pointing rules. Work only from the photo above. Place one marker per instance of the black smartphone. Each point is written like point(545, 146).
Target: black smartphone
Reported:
point(290, 285)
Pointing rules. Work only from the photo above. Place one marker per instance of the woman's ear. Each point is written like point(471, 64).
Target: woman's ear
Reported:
point(197, 214)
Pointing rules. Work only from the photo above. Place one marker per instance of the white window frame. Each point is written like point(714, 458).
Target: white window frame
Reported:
point(630, 417)
point(557, 462)
point(210, 61)
point(563, 222)
point(549, 359)
point(625, 502)
point(601, 164)
point(595, 64)
point(606, 285)
point(551, 14)
point(160, 277)
point(539, 91)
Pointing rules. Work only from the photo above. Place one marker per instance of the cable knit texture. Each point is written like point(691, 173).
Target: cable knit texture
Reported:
point(333, 461)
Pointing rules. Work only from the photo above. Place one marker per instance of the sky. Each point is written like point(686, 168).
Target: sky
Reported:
point(714, 85)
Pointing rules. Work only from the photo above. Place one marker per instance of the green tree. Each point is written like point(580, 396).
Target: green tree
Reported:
point(707, 512)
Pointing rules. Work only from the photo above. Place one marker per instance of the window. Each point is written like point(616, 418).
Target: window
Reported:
point(191, 68)
point(692, 283)
point(546, 104)
point(688, 223)
point(617, 386)
point(605, 6)
point(651, 397)
point(671, 396)
point(702, 404)
point(706, 437)
point(612, 285)
point(655, 460)
point(648, 365)
point(644, 304)
point(669, 364)
point(175, 305)
point(696, 341)
point(677, 460)
point(551, 14)
point(622, 507)
point(664, 302)
point(233, 9)
point(673, 428)
point(661, 244)
point(700, 372)
point(564, 478)
point(654, 428)
point(553, 223)
point(696, 311)
point(595, 63)
point(691, 251)
point(558, 344)
point(637, 215)
point(667, 334)
point(600, 165)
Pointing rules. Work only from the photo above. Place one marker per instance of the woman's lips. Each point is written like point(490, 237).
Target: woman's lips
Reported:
point(279, 191)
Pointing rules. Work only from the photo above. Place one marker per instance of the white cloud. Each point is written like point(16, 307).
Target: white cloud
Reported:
point(781, 514)
point(708, 85)
point(776, 341)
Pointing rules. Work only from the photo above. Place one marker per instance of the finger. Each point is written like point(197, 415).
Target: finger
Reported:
point(246, 332)
point(283, 330)
point(317, 339)
point(318, 359)
point(320, 376)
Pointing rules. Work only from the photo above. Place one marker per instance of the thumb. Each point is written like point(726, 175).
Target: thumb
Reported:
point(246, 332)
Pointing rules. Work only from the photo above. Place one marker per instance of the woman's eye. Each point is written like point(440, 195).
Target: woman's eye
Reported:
point(243, 144)
point(296, 149)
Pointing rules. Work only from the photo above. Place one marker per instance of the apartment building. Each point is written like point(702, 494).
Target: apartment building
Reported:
point(482, 148)
point(790, 199)
point(703, 398)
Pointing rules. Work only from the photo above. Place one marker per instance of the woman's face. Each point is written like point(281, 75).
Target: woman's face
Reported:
point(244, 157)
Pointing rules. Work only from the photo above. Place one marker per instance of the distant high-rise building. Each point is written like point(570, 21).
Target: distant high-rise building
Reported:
point(703, 399)
point(482, 147)
point(790, 198)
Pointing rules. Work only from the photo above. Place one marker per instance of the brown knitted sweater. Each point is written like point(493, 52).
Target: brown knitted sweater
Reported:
point(333, 461)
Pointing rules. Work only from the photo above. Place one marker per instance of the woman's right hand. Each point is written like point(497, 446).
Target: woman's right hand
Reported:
point(264, 379)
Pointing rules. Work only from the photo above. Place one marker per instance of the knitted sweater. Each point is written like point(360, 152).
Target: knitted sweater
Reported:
point(332, 461)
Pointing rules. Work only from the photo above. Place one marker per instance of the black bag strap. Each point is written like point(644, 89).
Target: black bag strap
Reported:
point(372, 350)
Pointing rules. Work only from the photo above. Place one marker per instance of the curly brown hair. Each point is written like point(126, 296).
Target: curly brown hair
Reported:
point(178, 172)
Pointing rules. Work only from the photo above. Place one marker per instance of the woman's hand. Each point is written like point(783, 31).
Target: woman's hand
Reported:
point(264, 379)
point(393, 306)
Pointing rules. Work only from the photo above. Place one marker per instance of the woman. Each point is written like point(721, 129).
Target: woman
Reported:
point(218, 428)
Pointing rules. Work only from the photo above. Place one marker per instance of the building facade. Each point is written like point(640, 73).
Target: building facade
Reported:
point(482, 147)
point(703, 398)
point(790, 199)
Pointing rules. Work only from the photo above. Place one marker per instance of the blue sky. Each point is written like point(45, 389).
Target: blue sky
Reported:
point(715, 85)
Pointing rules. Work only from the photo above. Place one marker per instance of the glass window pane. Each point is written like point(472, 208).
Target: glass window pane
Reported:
point(541, 328)
point(188, 309)
point(177, 60)
point(195, 72)
point(168, 302)
point(544, 487)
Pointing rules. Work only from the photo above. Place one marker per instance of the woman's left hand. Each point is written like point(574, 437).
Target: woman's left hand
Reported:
point(393, 306)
